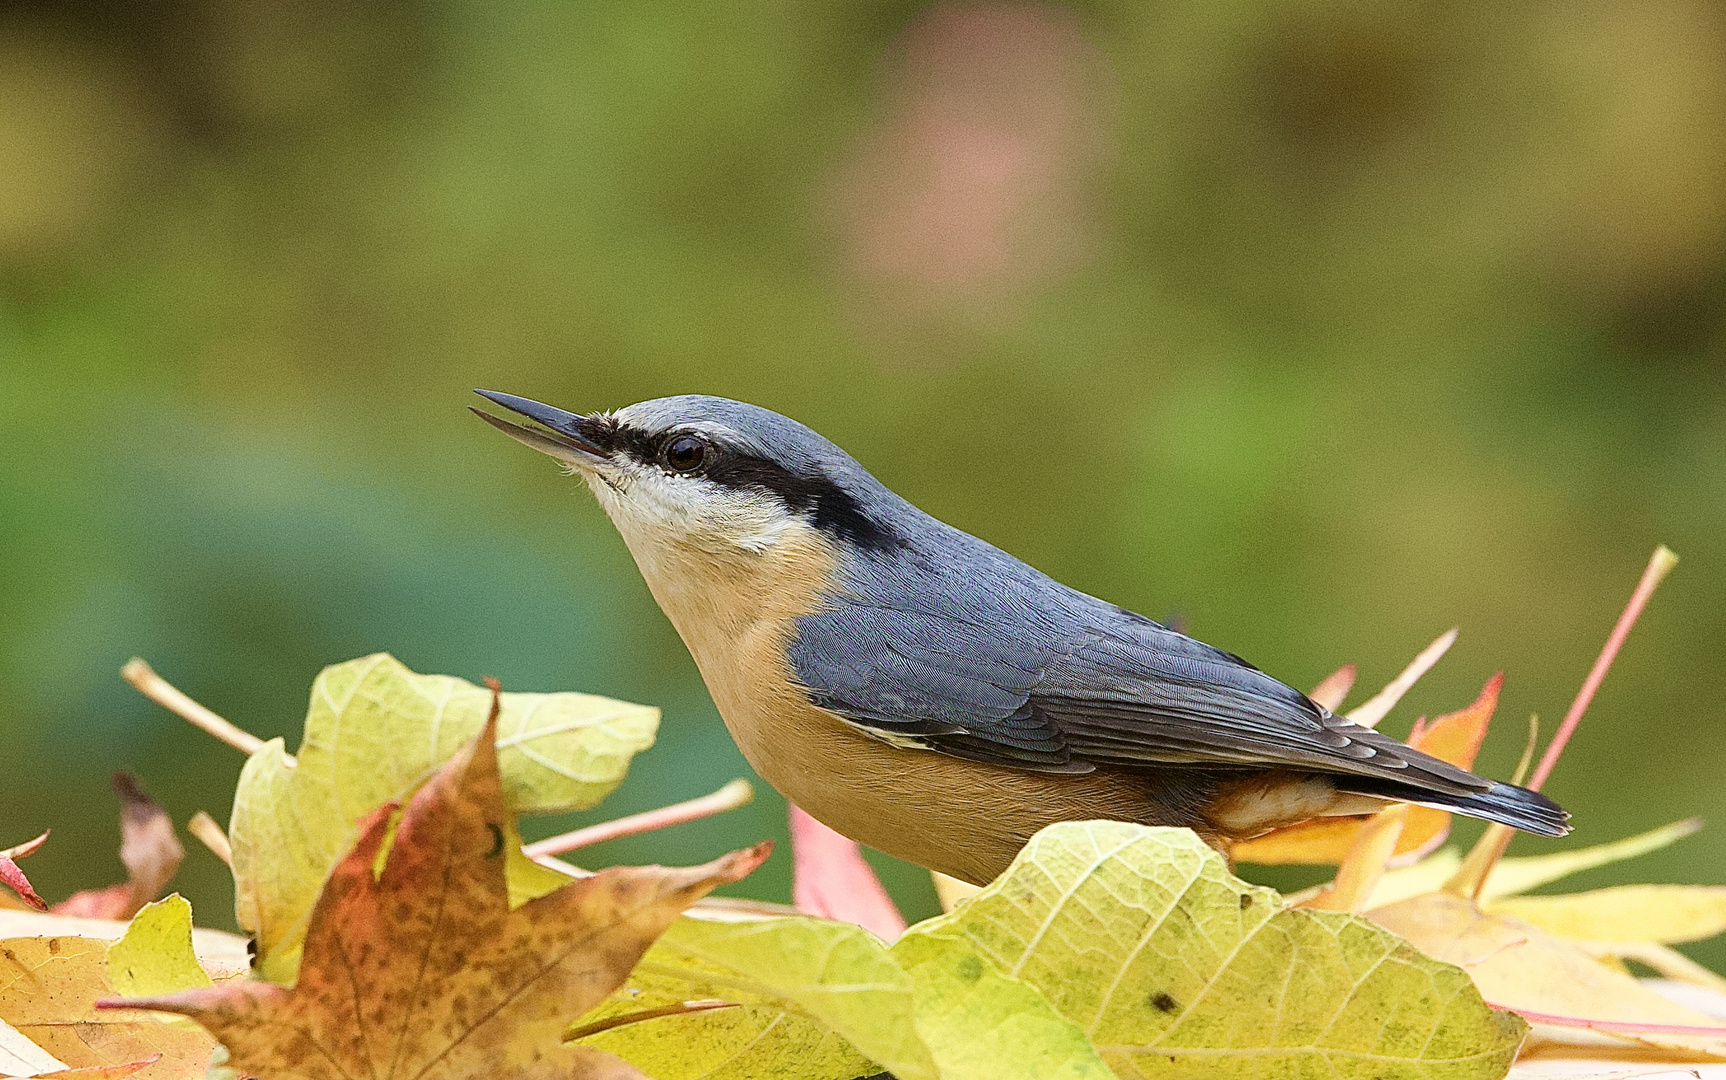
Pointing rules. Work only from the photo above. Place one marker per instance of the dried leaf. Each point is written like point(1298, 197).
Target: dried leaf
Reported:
point(102, 1072)
point(48, 992)
point(150, 851)
point(424, 971)
point(218, 952)
point(830, 879)
point(374, 732)
point(1359, 874)
point(1519, 966)
point(21, 1057)
point(13, 877)
point(1666, 914)
point(1519, 875)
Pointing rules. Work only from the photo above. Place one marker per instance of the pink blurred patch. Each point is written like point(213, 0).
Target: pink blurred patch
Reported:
point(830, 879)
point(971, 187)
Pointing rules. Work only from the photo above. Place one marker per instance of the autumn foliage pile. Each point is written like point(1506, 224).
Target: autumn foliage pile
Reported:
point(400, 928)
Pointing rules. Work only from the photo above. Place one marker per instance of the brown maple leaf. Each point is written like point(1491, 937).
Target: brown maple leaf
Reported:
point(423, 971)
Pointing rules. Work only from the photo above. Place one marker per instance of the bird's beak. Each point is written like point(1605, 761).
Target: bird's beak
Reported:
point(568, 437)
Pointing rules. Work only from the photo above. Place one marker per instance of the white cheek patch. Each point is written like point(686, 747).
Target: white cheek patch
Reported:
point(646, 503)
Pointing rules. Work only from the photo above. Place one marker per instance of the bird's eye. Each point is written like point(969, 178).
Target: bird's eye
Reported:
point(685, 453)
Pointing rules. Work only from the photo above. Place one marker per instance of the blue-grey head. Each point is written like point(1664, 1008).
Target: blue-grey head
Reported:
point(692, 473)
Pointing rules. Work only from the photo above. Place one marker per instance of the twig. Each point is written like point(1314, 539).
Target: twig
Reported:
point(680, 1009)
point(1470, 879)
point(733, 795)
point(144, 678)
point(1659, 566)
point(1369, 712)
point(204, 827)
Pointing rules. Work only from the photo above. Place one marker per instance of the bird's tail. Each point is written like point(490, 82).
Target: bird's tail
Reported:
point(1505, 804)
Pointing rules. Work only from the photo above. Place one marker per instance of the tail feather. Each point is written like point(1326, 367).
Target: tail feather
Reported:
point(1505, 804)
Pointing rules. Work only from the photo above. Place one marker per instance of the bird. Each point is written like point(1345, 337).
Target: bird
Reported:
point(925, 693)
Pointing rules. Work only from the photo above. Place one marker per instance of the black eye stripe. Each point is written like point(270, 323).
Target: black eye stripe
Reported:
point(831, 508)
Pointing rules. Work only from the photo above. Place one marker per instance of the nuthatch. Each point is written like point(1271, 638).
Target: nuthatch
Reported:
point(929, 695)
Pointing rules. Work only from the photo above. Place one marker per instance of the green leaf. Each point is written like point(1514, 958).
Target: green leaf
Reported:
point(981, 1023)
point(827, 1001)
point(765, 966)
point(375, 731)
point(154, 956)
point(1175, 968)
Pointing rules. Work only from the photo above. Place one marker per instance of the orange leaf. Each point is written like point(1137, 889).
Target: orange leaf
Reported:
point(1454, 737)
point(424, 971)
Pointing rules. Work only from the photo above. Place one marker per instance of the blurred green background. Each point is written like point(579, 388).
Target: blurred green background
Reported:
point(1321, 327)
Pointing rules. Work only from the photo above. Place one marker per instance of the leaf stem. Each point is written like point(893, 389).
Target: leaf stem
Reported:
point(145, 680)
point(682, 1008)
point(1470, 878)
point(1659, 565)
point(204, 827)
point(733, 795)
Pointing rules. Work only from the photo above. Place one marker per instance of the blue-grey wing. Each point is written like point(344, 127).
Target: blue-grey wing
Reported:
point(931, 680)
point(1011, 688)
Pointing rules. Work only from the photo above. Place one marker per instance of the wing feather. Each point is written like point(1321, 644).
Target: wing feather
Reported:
point(1009, 689)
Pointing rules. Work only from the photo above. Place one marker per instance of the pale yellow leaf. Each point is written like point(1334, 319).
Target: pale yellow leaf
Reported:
point(374, 732)
point(1667, 914)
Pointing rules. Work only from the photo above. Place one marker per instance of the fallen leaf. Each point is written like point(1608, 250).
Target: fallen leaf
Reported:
point(976, 1016)
point(155, 954)
point(374, 732)
point(826, 1000)
point(150, 851)
point(818, 1000)
point(765, 1036)
point(48, 992)
point(1454, 737)
point(218, 952)
point(1518, 875)
point(1358, 875)
point(1671, 963)
point(1176, 968)
point(21, 1057)
point(421, 969)
point(1667, 914)
point(102, 1072)
point(830, 879)
point(1519, 966)
point(13, 877)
